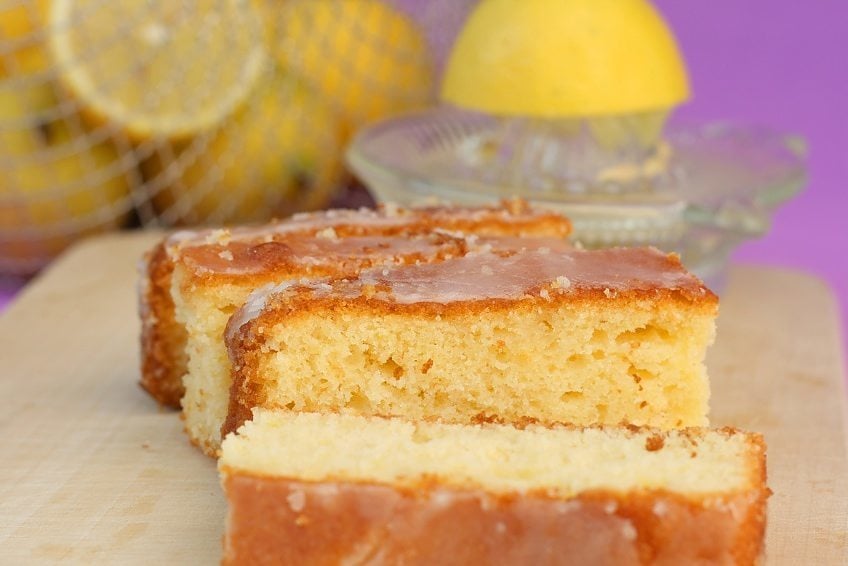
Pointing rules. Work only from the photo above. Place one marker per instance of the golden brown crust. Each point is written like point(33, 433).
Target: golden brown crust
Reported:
point(253, 264)
point(247, 390)
point(283, 521)
point(260, 255)
point(303, 304)
point(504, 277)
point(501, 277)
point(162, 338)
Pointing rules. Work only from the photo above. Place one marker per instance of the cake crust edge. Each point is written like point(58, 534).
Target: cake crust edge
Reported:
point(162, 338)
point(274, 518)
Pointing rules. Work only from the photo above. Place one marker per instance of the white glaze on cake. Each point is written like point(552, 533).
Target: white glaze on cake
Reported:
point(489, 275)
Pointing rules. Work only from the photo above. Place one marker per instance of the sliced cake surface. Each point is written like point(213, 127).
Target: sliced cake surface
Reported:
point(332, 489)
point(610, 336)
point(209, 275)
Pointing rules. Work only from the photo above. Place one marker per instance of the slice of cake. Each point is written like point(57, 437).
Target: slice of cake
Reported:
point(210, 274)
point(308, 488)
point(609, 336)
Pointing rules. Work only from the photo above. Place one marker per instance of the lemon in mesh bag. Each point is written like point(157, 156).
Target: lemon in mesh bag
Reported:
point(278, 154)
point(55, 184)
point(367, 59)
point(22, 37)
point(158, 68)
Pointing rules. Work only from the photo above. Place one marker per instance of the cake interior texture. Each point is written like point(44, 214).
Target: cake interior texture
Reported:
point(204, 304)
point(498, 459)
point(204, 311)
point(636, 360)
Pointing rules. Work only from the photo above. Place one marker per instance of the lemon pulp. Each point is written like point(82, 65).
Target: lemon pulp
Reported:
point(158, 67)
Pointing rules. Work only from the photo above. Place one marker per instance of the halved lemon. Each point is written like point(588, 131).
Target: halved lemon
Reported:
point(565, 58)
point(158, 67)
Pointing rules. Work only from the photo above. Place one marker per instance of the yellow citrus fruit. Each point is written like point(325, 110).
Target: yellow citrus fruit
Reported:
point(565, 58)
point(158, 67)
point(276, 155)
point(366, 58)
point(56, 184)
point(22, 24)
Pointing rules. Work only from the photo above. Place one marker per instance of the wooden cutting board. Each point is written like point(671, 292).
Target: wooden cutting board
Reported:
point(92, 471)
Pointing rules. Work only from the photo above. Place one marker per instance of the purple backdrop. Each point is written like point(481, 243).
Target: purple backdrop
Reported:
point(784, 64)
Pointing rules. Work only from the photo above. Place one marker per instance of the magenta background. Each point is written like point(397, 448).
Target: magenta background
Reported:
point(781, 63)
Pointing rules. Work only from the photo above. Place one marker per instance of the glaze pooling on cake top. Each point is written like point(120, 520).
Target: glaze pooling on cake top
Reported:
point(327, 249)
point(304, 250)
point(491, 275)
point(491, 271)
point(454, 245)
point(352, 235)
point(380, 220)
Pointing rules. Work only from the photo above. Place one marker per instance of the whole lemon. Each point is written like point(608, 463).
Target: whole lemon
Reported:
point(276, 155)
point(22, 24)
point(57, 183)
point(368, 60)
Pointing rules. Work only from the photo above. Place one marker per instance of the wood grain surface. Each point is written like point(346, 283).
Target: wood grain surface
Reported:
point(93, 472)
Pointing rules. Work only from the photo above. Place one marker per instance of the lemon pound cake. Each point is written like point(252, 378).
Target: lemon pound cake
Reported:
point(306, 488)
point(247, 257)
point(607, 336)
point(212, 279)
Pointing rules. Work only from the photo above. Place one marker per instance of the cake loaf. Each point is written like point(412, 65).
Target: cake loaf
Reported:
point(195, 281)
point(341, 489)
point(607, 336)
